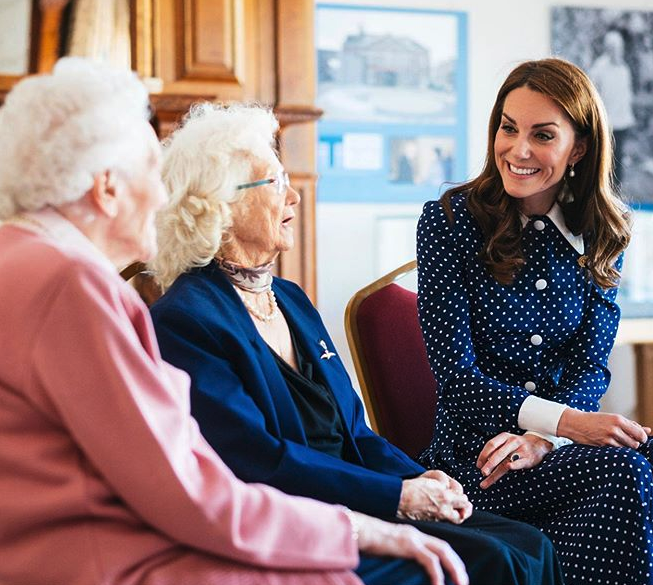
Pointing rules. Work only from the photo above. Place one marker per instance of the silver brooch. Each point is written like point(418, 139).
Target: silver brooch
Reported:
point(327, 355)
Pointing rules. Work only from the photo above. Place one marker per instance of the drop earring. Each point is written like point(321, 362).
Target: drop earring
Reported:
point(572, 172)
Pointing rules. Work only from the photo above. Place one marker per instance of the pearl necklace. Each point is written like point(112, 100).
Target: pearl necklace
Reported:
point(254, 312)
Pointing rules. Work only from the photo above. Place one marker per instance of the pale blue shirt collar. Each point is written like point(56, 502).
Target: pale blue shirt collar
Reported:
point(558, 219)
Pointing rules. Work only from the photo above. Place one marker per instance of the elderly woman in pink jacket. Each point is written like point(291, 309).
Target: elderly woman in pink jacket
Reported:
point(104, 476)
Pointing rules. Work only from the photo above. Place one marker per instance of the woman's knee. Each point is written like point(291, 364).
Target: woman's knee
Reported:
point(630, 465)
point(519, 557)
point(623, 476)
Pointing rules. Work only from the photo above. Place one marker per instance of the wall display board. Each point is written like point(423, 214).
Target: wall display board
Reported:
point(392, 84)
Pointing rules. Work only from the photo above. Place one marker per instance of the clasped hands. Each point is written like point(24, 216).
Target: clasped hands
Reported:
point(508, 452)
point(588, 428)
point(433, 496)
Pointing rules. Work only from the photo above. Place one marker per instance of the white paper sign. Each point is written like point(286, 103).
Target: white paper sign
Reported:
point(362, 152)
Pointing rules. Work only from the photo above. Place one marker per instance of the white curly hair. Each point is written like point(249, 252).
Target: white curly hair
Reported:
point(204, 160)
point(59, 130)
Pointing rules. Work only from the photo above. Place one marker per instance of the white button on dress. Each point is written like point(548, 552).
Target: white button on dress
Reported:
point(541, 284)
point(538, 224)
point(536, 339)
point(530, 386)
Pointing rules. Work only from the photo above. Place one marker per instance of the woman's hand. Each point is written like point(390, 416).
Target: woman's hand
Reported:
point(601, 429)
point(404, 541)
point(507, 452)
point(433, 496)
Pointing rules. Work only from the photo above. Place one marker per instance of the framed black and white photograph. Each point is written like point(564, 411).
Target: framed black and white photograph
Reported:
point(616, 49)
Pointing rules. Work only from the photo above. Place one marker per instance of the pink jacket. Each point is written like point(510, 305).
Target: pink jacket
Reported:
point(104, 476)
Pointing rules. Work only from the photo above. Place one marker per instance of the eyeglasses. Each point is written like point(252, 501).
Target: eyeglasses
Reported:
point(281, 180)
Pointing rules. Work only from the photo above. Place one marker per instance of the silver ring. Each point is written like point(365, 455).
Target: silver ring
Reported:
point(514, 456)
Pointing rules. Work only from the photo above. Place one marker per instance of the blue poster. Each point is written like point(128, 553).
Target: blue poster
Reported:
point(393, 87)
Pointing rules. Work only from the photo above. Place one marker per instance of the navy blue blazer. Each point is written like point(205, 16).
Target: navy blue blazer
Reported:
point(245, 409)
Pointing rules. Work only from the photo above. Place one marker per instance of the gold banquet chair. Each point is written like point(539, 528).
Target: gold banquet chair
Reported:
point(386, 344)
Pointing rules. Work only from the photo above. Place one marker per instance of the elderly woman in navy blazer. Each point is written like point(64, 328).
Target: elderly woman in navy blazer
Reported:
point(268, 388)
point(518, 274)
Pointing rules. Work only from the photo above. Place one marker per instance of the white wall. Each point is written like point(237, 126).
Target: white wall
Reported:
point(501, 33)
point(356, 244)
point(14, 38)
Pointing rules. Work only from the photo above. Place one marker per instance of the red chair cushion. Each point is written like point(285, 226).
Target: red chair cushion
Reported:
point(402, 384)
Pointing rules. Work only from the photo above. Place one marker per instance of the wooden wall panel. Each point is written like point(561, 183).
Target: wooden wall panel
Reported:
point(228, 50)
point(211, 47)
point(644, 381)
point(215, 47)
point(296, 52)
point(297, 153)
point(298, 264)
point(296, 79)
point(142, 37)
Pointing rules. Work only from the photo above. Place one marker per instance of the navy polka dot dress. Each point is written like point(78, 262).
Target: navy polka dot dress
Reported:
point(549, 335)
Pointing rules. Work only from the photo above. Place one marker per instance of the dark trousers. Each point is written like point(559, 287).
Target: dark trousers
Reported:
point(391, 571)
point(495, 550)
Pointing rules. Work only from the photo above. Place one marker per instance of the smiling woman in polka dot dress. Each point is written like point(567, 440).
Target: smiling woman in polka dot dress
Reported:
point(518, 273)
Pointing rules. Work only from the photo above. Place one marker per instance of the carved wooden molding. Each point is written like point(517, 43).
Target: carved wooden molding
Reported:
point(176, 103)
point(297, 114)
point(169, 109)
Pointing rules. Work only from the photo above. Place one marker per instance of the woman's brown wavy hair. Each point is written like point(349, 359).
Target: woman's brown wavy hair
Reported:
point(596, 212)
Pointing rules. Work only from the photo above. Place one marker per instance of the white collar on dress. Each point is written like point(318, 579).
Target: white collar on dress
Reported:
point(64, 234)
point(558, 219)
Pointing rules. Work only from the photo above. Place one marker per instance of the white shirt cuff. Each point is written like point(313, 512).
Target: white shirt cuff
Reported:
point(557, 442)
point(540, 415)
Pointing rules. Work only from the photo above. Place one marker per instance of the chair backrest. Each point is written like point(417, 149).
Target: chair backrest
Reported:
point(386, 344)
point(142, 280)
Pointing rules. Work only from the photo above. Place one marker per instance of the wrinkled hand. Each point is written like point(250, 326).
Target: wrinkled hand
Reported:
point(401, 540)
point(495, 458)
point(601, 429)
point(433, 496)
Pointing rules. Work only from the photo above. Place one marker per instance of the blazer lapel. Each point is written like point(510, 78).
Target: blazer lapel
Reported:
point(311, 334)
point(258, 352)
